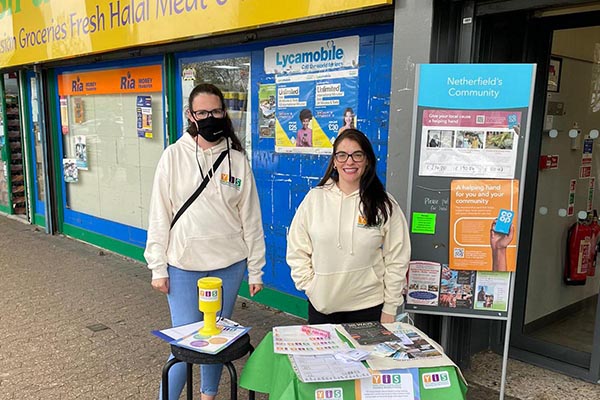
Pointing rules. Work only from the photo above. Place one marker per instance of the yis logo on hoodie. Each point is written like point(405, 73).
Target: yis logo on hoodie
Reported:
point(362, 222)
point(232, 181)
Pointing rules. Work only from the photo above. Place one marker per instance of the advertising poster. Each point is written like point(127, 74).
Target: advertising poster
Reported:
point(311, 109)
point(456, 288)
point(70, 172)
point(469, 143)
point(492, 291)
point(144, 116)
point(475, 210)
point(423, 283)
point(266, 110)
point(64, 115)
point(80, 146)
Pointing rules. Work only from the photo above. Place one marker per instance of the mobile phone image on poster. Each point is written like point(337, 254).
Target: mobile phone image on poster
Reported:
point(475, 206)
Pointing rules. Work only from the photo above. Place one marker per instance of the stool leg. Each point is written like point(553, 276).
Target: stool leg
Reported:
point(165, 377)
point(233, 379)
point(189, 384)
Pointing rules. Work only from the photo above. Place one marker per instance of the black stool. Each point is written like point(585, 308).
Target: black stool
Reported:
point(236, 350)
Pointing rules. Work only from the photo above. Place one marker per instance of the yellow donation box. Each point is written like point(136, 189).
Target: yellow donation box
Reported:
point(210, 290)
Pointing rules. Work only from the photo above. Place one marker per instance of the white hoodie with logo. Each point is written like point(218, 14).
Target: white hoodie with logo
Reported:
point(342, 264)
point(221, 227)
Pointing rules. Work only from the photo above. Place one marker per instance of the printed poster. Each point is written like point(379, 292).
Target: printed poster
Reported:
point(79, 143)
point(423, 283)
point(400, 384)
point(266, 113)
point(144, 116)
point(469, 143)
point(70, 172)
point(474, 209)
point(64, 115)
point(311, 110)
point(456, 288)
point(492, 291)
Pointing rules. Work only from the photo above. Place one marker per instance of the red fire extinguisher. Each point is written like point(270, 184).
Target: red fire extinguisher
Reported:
point(595, 244)
point(579, 250)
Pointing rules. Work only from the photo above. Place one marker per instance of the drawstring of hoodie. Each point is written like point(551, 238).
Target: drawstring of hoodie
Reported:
point(353, 224)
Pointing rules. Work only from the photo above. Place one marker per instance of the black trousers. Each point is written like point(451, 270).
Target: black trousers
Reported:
point(343, 317)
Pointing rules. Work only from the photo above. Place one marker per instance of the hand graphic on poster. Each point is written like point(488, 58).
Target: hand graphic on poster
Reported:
point(499, 242)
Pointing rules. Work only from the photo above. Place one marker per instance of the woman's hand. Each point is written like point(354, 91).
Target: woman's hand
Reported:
point(387, 318)
point(255, 288)
point(161, 284)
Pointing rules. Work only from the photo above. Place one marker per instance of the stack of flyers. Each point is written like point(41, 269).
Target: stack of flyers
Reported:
point(389, 349)
point(353, 355)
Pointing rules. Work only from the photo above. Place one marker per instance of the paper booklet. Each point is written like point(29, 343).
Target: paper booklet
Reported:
point(304, 340)
point(187, 336)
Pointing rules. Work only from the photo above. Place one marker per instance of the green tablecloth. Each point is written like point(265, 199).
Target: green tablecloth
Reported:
point(271, 373)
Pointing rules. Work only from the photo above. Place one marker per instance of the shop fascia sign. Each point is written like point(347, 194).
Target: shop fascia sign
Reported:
point(40, 30)
point(315, 56)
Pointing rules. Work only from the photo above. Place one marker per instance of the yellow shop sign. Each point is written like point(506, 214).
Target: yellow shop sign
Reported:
point(33, 31)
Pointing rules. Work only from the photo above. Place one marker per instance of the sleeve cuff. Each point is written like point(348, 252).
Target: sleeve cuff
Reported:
point(161, 272)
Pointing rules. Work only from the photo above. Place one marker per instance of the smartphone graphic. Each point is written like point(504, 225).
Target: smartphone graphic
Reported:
point(504, 221)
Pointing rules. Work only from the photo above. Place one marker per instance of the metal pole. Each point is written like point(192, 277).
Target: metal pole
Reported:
point(507, 336)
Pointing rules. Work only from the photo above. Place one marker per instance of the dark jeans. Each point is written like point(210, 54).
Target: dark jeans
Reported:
point(343, 317)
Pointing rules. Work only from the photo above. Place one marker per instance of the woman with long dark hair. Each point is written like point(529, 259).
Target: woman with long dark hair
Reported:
point(348, 245)
point(218, 235)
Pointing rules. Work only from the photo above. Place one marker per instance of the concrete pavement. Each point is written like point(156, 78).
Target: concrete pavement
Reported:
point(76, 321)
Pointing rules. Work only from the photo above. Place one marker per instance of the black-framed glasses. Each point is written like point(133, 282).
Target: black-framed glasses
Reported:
point(357, 156)
point(203, 114)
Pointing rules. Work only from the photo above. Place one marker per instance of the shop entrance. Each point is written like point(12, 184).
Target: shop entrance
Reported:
point(557, 321)
point(12, 176)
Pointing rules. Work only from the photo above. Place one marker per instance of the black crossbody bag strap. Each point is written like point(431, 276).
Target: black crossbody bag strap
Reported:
point(202, 186)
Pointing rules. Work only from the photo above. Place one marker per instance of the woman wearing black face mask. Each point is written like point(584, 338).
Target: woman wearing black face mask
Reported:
point(219, 235)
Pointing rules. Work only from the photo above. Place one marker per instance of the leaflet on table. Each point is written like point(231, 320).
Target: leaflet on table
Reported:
point(212, 344)
point(187, 336)
point(293, 340)
point(401, 331)
point(326, 368)
point(398, 384)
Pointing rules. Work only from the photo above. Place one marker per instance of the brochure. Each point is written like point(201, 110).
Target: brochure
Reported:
point(187, 336)
point(297, 339)
point(367, 333)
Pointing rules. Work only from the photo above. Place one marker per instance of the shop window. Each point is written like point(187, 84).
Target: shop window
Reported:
point(232, 76)
point(112, 136)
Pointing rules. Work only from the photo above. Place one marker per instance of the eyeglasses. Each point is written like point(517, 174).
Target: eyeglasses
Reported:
point(342, 156)
point(203, 114)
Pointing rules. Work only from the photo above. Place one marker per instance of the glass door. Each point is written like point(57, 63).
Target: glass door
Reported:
point(558, 307)
point(35, 139)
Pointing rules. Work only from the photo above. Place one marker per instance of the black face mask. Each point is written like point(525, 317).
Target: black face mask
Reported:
point(211, 128)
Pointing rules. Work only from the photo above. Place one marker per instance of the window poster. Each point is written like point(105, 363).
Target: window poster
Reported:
point(311, 110)
point(70, 172)
point(266, 110)
point(64, 115)
point(478, 209)
point(144, 116)
point(469, 143)
point(80, 145)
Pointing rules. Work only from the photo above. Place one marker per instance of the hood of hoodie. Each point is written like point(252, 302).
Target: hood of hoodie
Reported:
point(349, 205)
point(206, 158)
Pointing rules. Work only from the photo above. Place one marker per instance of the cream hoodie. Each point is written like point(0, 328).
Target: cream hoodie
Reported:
point(221, 227)
point(339, 262)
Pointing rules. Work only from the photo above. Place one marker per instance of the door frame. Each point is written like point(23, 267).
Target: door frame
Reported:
point(538, 44)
